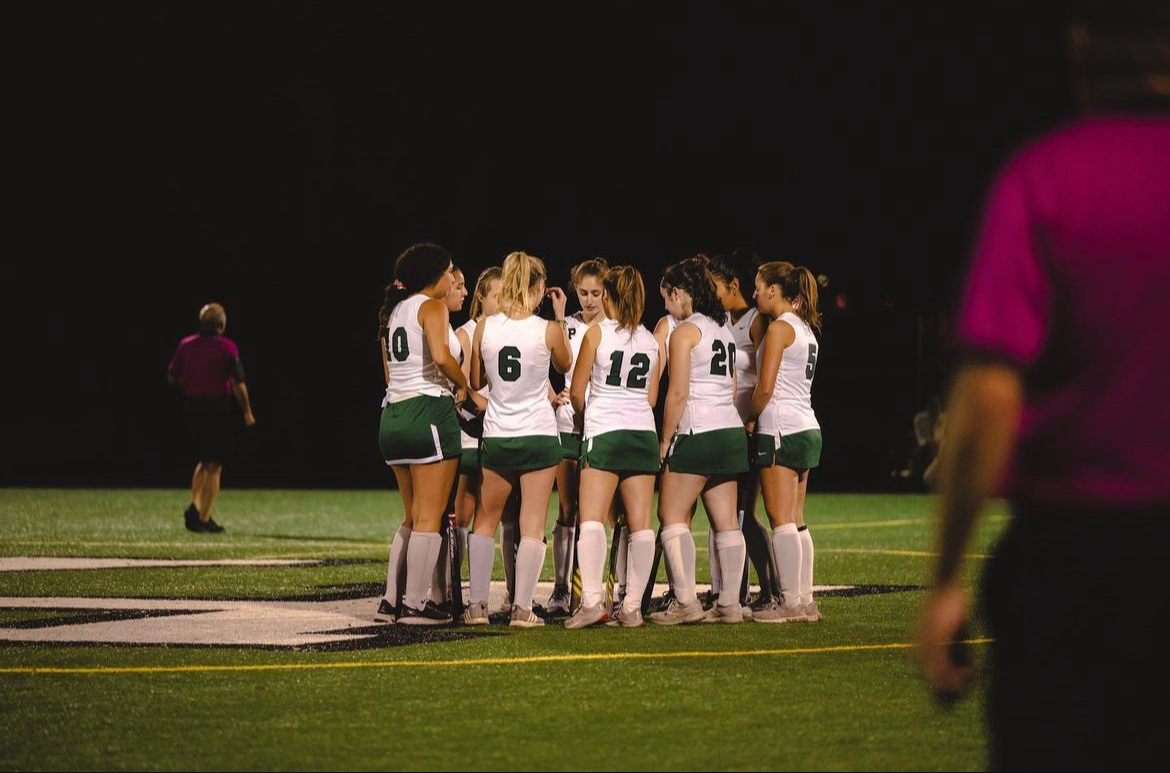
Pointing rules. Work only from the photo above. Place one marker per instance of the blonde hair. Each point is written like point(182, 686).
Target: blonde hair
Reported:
point(798, 286)
point(212, 318)
point(521, 272)
point(627, 296)
point(482, 288)
point(592, 267)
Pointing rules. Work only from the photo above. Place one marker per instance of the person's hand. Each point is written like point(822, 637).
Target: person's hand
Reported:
point(559, 302)
point(479, 401)
point(942, 624)
point(750, 426)
point(460, 396)
point(562, 398)
point(249, 419)
point(663, 449)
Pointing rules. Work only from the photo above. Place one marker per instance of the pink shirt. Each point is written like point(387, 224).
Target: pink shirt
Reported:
point(1071, 282)
point(205, 364)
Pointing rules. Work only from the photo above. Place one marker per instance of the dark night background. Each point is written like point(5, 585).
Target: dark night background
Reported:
point(276, 157)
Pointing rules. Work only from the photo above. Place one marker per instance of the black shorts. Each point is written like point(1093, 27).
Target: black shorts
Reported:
point(1073, 600)
point(213, 425)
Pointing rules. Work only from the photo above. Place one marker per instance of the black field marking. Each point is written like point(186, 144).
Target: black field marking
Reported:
point(343, 592)
point(340, 619)
point(867, 590)
point(83, 617)
point(382, 636)
point(377, 637)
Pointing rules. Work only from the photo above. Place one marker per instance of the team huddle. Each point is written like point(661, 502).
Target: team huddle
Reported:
point(472, 425)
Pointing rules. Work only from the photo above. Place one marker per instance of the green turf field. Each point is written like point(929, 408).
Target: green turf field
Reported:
point(841, 694)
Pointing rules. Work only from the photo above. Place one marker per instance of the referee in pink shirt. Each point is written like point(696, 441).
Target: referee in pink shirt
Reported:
point(207, 368)
point(1063, 404)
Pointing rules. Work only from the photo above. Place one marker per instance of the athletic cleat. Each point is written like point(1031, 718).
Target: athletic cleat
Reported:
point(506, 607)
point(763, 601)
point(386, 611)
point(191, 518)
point(812, 611)
point(428, 615)
point(677, 613)
point(708, 599)
point(663, 601)
point(624, 619)
point(587, 616)
point(732, 613)
point(558, 602)
point(524, 618)
point(211, 527)
point(777, 612)
point(476, 614)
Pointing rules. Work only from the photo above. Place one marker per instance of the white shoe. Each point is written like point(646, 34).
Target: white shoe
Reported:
point(476, 614)
point(732, 613)
point(776, 612)
point(587, 616)
point(524, 618)
point(677, 612)
point(623, 619)
point(812, 611)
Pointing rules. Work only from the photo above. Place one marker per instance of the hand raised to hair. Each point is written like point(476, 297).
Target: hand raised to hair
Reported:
point(559, 302)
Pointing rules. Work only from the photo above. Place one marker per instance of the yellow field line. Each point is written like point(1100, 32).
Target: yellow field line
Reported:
point(919, 553)
point(597, 656)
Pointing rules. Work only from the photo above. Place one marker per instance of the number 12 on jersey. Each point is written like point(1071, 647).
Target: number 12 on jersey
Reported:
point(639, 368)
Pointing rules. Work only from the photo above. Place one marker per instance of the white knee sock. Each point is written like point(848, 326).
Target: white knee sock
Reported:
point(679, 548)
point(806, 565)
point(529, 562)
point(786, 546)
point(591, 560)
point(713, 563)
point(481, 555)
point(396, 570)
point(641, 560)
point(732, 553)
point(421, 555)
point(562, 554)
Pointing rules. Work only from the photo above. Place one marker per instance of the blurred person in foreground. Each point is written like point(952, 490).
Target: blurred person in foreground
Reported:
point(1061, 401)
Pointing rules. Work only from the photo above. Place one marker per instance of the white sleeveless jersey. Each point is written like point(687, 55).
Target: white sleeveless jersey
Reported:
point(465, 415)
point(516, 360)
point(619, 383)
point(711, 402)
point(576, 327)
point(790, 409)
point(746, 374)
point(454, 345)
point(671, 324)
point(412, 369)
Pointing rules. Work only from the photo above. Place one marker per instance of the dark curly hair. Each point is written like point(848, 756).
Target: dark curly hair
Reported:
point(417, 267)
point(741, 265)
point(692, 276)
